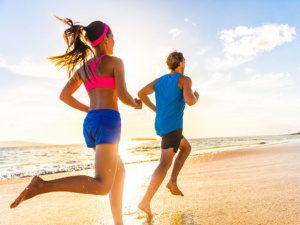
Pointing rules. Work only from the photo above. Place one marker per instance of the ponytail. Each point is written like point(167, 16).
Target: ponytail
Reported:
point(77, 49)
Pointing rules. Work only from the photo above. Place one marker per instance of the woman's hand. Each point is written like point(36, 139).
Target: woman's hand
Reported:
point(138, 103)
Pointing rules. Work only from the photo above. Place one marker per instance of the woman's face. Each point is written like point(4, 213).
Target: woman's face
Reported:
point(110, 43)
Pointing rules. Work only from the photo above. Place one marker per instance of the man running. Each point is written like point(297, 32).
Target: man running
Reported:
point(172, 92)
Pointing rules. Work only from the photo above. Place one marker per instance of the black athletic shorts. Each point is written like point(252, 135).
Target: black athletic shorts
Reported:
point(172, 139)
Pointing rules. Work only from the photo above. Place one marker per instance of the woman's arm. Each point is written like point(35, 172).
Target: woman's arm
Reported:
point(121, 88)
point(143, 95)
point(190, 97)
point(66, 94)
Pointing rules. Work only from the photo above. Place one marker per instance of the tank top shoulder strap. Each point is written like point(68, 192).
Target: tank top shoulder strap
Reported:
point(176, 80)
point(178, 75)
point(175, 77)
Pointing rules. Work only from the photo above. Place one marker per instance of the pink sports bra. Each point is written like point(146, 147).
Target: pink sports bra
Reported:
point(96, 81)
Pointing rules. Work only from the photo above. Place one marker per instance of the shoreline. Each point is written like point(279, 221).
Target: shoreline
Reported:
point(209, 151)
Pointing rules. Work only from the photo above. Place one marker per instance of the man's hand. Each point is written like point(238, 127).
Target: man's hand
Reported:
point(196, 94)
point(138, 103)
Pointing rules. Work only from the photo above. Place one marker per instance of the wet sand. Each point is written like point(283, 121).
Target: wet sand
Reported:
point(254, 185)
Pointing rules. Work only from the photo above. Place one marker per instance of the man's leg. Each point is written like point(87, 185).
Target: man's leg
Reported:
point(185, 150)
point(158, 176)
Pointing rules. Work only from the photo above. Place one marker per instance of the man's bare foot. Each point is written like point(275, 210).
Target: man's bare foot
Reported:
point(146, 208)
point(174, 188)
point(30, 191)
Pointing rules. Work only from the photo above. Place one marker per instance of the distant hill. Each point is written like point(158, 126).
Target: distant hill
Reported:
point(5, 144)
point(295, 133)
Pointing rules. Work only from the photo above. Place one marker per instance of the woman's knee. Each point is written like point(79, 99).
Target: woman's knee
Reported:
point(104, 186)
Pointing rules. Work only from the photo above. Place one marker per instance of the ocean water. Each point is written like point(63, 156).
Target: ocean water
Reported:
point(16, 162)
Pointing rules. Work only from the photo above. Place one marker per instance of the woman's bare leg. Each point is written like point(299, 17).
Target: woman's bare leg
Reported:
point(116, 193)
point(185, 150)
point(157, 178)
point(105, 168)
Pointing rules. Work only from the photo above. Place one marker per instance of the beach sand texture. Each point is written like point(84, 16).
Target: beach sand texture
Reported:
point(253, 185)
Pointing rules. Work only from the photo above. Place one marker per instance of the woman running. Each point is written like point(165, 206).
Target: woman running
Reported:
point(103, 77)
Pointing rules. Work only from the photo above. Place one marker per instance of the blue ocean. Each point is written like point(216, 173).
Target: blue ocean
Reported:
point(16, 162)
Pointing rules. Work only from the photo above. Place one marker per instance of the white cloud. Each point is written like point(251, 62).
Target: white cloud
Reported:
point(2, 62)
point(218, 80)
point(175, 32)
point(220, 84)
point(242, 43)
point(187, 20)
point(27, 67)
point(256, 105)
point(248, 70)
point(227, 62)
point(201, 51)
point(267, 80)
point(246, 41)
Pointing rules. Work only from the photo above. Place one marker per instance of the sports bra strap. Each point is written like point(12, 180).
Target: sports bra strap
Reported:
point(98, 81)
point(93, 65)
point(99, 59)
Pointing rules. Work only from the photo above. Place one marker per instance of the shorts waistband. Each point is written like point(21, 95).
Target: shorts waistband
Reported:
point(104, 112)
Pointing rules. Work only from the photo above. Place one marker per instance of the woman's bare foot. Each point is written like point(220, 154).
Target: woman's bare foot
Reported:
point(174, 188)
point(30, 191)
point(146, 208)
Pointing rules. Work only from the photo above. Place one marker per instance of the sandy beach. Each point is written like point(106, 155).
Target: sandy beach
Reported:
point(253, 185)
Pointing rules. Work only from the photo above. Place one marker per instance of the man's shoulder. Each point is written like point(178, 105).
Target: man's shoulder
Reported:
point(183, 80)
point(186, 79)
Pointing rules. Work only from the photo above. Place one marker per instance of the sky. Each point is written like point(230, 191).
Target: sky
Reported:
point(243, 58)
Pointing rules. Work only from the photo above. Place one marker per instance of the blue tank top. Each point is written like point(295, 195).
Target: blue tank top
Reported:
point(170, 104)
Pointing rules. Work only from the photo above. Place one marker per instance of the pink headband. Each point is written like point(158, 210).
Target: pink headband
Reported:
point(97, 42)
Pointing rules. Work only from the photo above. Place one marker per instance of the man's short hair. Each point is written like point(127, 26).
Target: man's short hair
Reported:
point(174, 60)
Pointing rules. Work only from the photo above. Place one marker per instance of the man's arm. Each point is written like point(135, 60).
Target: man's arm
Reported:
point(143, 95)
point(190, 97)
